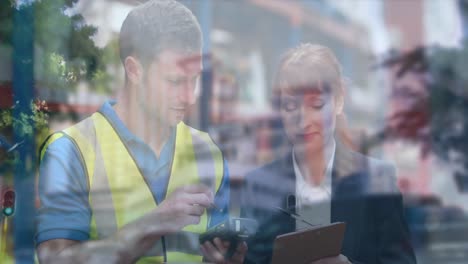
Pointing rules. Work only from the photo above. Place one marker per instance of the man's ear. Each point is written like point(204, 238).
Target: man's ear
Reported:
point(133, 69)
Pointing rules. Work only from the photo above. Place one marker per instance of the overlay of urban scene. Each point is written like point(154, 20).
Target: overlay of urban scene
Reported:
point(406, 96)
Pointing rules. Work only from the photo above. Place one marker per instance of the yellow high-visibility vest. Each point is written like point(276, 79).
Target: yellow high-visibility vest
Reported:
point(6, 254)
point(119, 194)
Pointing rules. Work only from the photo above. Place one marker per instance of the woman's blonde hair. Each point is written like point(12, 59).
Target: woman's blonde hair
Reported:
point(309, 66)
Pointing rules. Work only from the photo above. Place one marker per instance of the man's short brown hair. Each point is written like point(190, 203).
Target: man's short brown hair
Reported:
point(158, 25)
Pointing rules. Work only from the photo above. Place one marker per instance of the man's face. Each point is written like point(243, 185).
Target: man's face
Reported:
point(309, 117)
point(170, 85)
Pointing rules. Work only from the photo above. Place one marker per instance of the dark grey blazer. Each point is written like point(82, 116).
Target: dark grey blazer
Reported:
point(364, 195)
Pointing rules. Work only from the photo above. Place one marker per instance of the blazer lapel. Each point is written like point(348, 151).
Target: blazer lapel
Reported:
point(286, 170)
point(348, 204)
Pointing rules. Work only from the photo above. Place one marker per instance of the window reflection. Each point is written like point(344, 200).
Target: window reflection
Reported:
point(403, 75)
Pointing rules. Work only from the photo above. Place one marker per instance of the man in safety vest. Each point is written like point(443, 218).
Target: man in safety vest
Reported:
point(133, 183)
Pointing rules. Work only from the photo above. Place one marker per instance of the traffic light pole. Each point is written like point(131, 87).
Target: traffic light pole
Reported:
point(23, 83)
point(206, 17)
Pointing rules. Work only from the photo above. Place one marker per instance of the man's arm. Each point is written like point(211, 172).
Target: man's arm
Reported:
point(64, 215)
point(136, 238)
point(115, 250)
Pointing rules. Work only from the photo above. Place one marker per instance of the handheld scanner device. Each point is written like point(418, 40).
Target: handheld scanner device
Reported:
point(233, 230)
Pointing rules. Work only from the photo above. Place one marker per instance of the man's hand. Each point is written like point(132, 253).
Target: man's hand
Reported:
point(341, 259)
point(183, 207)
point(215, 252)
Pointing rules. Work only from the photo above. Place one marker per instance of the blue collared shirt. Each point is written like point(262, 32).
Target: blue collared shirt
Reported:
point(65, 212)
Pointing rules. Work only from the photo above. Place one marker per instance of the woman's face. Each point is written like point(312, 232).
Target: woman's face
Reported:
point(309, 117)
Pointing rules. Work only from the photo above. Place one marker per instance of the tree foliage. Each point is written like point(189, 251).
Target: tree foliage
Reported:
point(64, 55)
point(435, 116)
point(64, 52)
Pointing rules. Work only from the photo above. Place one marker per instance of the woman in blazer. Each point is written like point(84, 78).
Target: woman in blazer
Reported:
point(320, 178)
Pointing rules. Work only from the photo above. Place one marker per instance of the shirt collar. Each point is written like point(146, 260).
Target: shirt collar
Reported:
point(122, 130)
point(328, 172)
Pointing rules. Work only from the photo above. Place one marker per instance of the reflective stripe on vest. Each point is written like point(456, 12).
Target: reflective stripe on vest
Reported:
point(119, 194)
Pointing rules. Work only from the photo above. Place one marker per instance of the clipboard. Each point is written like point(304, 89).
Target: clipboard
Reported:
point(309, 245)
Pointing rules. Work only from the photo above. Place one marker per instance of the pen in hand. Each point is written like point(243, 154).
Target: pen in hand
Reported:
point(211, 207)
point(293, 215)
